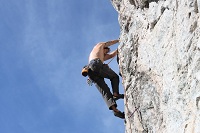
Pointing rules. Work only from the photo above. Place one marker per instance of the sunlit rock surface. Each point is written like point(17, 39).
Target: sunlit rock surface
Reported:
point(160, 64)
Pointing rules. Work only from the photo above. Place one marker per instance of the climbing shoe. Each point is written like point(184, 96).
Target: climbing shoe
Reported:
point(119, 114)
point(120, 96)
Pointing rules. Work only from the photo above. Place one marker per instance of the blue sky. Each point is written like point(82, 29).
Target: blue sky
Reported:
point(43, 46)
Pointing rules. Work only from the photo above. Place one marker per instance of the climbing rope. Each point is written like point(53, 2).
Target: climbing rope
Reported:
point(111, 60)
point(132, 114)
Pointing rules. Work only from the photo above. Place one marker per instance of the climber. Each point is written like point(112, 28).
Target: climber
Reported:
point(97, 71)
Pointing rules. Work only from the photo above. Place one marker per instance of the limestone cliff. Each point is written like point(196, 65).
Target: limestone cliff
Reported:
point(160, 64)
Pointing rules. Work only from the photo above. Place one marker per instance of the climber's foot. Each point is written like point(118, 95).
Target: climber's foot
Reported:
point(119, 96)
point(119, 114)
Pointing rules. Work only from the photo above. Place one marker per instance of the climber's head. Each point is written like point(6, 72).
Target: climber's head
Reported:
point(106, 50)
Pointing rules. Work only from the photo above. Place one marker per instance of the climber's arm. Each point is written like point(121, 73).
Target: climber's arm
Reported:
point(109, 43)
point(110, 55)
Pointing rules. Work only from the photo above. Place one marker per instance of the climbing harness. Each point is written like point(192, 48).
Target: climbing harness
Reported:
point(85, 70)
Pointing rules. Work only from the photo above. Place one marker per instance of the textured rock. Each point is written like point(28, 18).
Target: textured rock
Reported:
point(160, 64)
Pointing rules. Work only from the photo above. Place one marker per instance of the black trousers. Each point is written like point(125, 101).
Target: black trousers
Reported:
point(98, 71)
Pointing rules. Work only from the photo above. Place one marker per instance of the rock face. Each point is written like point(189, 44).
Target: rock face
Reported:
point(159, 60)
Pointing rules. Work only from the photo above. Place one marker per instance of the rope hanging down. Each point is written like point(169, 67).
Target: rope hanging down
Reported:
point(110, 60)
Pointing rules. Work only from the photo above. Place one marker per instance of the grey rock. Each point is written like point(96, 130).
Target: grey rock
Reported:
point(159, 55)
